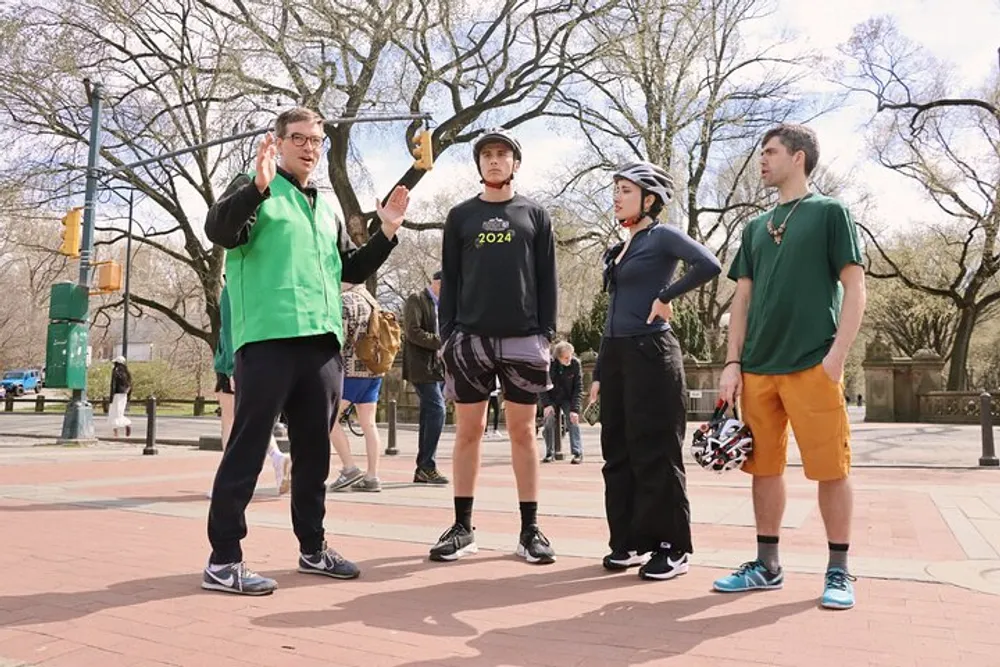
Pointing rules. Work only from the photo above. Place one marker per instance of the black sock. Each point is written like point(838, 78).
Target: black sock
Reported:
point(767, 552)
point(463, 512)
point(529, 514)
point(838, 556)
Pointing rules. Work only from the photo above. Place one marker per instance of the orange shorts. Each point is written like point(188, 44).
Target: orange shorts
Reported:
point(815, 406)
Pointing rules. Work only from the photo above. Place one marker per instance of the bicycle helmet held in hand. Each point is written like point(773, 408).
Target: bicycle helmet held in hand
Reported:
point(724, 443)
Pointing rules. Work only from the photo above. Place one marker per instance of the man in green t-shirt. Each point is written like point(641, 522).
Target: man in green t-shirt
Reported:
point(800, 297)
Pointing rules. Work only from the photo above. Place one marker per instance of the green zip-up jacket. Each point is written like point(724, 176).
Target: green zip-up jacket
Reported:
point(224, 349)
point(287, 253)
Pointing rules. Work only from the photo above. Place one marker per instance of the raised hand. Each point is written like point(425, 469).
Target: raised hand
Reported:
point(394, 211)
point(267, 163)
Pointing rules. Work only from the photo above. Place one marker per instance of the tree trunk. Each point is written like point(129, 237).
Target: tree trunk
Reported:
point(960, 350)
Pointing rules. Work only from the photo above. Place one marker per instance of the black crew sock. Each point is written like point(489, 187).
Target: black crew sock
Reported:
point(838, 556)
point(767, 552)
point(463, 512)
point(529, 514)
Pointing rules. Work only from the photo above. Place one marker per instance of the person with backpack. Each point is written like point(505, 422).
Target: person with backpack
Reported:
point(287, 251)
point(361, 388)
point(121, 389)
point(640, 379)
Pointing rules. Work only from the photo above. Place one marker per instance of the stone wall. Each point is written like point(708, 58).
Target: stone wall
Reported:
point(896, 386)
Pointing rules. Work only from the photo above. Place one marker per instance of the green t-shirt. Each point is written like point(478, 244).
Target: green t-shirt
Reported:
point(796, 295)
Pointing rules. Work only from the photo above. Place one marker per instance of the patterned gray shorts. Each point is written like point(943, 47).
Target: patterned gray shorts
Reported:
point(472, 363)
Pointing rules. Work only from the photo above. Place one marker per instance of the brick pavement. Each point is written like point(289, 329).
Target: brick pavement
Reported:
point(105, 547)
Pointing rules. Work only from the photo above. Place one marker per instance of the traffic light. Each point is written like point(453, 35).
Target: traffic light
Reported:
point(423, 151)
point(109, 276)
point(71, 233)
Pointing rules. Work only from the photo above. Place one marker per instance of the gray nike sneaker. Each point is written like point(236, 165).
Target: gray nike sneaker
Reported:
point(237, 578)
point(328, 562)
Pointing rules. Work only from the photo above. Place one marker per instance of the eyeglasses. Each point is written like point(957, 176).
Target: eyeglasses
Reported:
point(299, 140)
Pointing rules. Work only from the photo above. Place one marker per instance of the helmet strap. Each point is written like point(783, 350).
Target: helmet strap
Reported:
point(498, 185)
point(643, 212)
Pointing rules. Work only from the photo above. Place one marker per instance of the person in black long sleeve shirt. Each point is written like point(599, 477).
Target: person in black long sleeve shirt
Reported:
point(497, 316)
point(287, 254)
point(563, 400)
point(640, 378)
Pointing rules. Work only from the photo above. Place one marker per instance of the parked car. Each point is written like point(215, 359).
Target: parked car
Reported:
point(19, 382)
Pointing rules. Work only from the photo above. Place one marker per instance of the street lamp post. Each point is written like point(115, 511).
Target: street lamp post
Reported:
point(128, 273)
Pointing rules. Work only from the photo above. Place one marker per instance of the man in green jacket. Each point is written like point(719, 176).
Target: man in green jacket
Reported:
point(287, 253)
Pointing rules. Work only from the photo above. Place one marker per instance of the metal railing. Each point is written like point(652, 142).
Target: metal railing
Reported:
point(198, 404)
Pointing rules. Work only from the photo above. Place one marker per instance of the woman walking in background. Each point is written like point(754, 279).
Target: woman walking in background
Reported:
point(121, 389)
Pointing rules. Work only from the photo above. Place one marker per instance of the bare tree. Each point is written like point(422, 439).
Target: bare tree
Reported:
point(498, 63)
point(680, 85)
point(181, 72)
point(949, 145)
point(164, 67)
point(911, 319)
point(27, 269)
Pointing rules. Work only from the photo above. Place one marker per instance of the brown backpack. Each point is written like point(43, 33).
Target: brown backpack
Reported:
point(378, 347)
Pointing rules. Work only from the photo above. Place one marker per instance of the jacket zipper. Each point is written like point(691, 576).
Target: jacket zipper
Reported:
point(319, 255)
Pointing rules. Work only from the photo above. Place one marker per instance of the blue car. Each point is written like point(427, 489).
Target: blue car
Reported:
point(20, 382)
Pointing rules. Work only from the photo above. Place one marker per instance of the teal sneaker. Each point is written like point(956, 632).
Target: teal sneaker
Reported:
point(839, 591)
point(750, 576)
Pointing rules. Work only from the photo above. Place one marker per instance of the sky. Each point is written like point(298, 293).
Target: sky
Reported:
point(963, 33)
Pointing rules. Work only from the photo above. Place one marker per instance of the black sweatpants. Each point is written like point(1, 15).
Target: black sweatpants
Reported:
point(643, 422)
point(304, 377)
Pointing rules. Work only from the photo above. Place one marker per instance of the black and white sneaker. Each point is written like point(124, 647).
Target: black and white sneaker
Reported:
point(454, 543)
point(236, 578)
point(329, 563)
point(534, 547)
point(665, 564)
point(623, 560)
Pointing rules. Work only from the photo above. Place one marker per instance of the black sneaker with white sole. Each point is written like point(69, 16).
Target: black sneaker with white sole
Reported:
point(454, 543)
point(665, 564)
point(329, 563)
point(236, 578)
point(623, 560)
point(534, 547)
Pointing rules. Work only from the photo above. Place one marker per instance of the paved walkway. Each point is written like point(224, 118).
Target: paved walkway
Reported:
point(103, 549)
point(935, 445)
